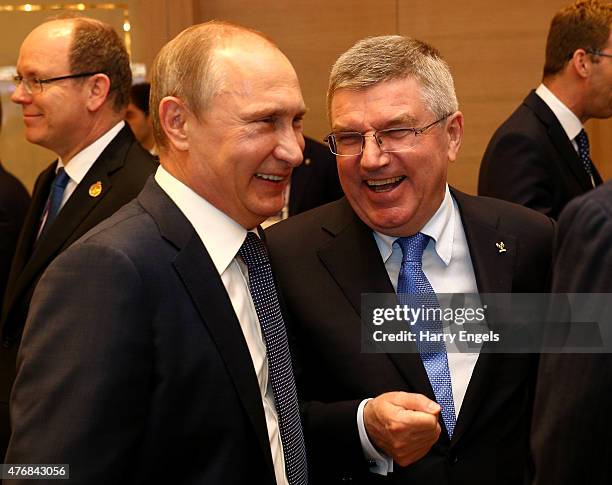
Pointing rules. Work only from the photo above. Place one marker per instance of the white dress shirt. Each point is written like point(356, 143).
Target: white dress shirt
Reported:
point(448, 267)
point(77, 167)
point(568, 120)
point(222, 237)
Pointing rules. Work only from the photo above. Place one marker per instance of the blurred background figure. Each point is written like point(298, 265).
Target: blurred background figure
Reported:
point(313, 183)
point(540, 156)
point(138, 118)
point(14, 202)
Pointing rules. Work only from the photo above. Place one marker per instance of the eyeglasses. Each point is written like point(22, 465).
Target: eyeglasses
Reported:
point(351, 143)
point(598, 53)
point(33, 86)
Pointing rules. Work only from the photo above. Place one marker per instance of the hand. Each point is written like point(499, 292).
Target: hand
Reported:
point(403, 425)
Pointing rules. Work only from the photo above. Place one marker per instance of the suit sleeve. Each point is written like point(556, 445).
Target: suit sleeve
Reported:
point(515, 169)
point(84, 368)
point(570, 437)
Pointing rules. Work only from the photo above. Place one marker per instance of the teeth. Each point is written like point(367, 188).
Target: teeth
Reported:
point(376, 183)
point(273, 178)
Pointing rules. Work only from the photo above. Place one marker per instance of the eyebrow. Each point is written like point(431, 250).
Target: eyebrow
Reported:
point(266, 111)
point(403, 119)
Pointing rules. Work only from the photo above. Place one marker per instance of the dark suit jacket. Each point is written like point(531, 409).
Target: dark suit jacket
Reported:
point(531, 161)
point(122, 168)
point(133, 367)
point(324, 260)
point(14, 202)
point(315, 182)
point(571, 425)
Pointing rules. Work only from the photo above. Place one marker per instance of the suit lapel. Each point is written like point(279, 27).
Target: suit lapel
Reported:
point(561, 142)
point(204, 285)
point(74, 212)
point(494, 271)
point(353, 260)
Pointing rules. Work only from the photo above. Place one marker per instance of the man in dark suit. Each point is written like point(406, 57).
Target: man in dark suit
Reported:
point(396, 126)
point(14, 202)
point(155, 350)
point(571, 428)
point(539, 157)
point(73, 84)
point(315, 182)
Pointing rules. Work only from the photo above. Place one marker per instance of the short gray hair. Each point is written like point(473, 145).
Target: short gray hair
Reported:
point(377, 59)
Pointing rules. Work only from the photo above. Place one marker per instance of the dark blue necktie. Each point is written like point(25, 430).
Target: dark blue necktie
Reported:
point(54, 202)
point(412, 281)
point(265, 299)
point(582, 140)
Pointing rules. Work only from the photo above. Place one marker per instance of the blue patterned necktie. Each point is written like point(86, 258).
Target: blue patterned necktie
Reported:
point(412, 281)
point(54, 202)
point(265, 299)
point(582, 140)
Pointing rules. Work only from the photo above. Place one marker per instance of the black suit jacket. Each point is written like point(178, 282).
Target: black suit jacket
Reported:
point(14, 202)
point(571, 425)
point(531, 161)
point(315, 182)
point(122, 169)
point(133, 367)
point(324, 260)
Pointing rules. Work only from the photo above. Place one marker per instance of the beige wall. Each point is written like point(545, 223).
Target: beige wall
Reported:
point(495, 49)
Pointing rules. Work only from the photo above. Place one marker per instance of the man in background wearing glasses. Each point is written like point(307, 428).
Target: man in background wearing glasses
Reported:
point(540, 157)
point(73, 80)
point(396, 126)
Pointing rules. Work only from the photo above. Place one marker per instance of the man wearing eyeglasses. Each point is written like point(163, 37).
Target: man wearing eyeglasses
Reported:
point(539, 157)
point(73, 80)
point(395, 418)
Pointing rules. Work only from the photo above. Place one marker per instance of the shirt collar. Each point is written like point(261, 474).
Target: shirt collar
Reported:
point(221, 235)
point(569, 121)
point(79, 165)
point(441, 228)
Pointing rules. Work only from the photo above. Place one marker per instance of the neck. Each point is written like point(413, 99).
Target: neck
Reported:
point(569, 93)
point(94, 132)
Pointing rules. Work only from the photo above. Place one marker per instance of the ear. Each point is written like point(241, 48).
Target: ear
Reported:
point(98, 88)
point(581, 63)
point(174, 117)
point(454, 130)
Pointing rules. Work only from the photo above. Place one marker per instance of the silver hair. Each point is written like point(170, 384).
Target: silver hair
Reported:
point(377, 59)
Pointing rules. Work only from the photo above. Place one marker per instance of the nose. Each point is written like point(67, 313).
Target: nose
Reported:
point(290, 147)
point(372, 157)
point(20, 95)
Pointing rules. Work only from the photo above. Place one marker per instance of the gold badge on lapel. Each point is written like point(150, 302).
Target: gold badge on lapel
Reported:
point(307, 161)
point(501, 246)
point(95, 189)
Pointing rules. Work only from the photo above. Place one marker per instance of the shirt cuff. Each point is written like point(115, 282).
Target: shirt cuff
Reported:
point(379, 463)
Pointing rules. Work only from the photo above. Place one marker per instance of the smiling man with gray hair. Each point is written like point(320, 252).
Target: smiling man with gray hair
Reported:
point(423, 417)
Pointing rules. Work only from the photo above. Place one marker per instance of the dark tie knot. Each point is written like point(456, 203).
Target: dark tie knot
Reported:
point(61, 179)
point(253, 251)
point(413, 247)
point(582, 139)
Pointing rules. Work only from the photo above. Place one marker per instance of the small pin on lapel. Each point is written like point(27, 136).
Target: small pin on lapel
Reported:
point(95, 189)
point(307, 161)
point(501, 246)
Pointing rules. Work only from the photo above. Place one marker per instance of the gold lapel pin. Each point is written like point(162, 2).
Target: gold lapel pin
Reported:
point(95, 189)
point(501, 246)
point(307, 161)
